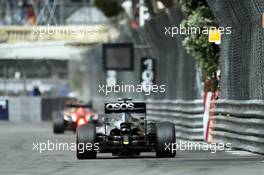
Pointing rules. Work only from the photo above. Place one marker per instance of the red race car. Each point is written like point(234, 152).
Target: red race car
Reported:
point(72, 116)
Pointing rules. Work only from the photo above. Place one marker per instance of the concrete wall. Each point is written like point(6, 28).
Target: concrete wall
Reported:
point(24, 109)
point(32, 109)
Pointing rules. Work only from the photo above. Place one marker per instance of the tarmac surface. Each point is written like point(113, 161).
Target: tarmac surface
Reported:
point(20, 155)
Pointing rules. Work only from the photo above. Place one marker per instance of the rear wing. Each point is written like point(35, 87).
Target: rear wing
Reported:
point(129, 107)
point(76, 105)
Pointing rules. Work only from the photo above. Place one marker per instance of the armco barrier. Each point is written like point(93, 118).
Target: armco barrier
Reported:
point(186, 115)
point(240, 123)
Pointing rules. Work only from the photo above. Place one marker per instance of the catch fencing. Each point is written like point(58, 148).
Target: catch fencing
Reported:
point(174, 67)
point(242, 65)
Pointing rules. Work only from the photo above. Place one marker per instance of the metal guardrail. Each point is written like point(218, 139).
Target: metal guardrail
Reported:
point(186, 115)
point(240, 123)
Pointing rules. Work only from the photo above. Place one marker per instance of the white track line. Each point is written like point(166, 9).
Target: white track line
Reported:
point(241, 153)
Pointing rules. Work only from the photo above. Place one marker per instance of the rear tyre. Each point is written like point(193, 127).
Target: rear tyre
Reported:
point(165, 135)
point(58, 123)
point(86, 135)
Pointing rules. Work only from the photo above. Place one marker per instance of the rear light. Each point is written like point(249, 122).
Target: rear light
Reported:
point(95, 117)
point(81, 121)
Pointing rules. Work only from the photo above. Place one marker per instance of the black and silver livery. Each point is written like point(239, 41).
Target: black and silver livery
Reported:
point(125, 131)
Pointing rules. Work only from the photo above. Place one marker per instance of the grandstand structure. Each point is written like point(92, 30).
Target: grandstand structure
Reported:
point(17, 12)
point(30, 55)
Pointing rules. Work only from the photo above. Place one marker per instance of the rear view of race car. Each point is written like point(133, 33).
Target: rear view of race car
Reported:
point(72, 116)
point(130, 135)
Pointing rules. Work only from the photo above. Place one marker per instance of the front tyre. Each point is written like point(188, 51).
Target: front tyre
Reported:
point(165, 136)
point(85, 142)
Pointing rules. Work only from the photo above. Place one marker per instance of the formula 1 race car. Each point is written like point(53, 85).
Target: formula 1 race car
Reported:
point(72, 116)
point(127, 136)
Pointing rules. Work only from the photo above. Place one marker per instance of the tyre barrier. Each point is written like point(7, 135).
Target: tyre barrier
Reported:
point(187, 116)
point(240, 123)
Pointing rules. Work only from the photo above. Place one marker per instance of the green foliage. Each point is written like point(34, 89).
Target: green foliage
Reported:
point(206, 54)
point(188, 6)
point(109, 7)
point(167, 3)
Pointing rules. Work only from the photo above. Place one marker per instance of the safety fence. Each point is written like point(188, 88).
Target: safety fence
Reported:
point(186, 115)
point(240, 123)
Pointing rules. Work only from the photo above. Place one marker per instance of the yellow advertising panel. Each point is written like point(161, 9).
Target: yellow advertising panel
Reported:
point(214, 36)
